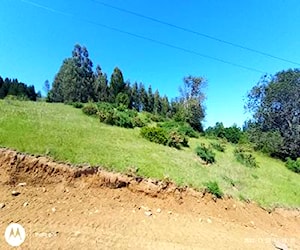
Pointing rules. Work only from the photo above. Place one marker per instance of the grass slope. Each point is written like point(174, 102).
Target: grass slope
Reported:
point(66, 134)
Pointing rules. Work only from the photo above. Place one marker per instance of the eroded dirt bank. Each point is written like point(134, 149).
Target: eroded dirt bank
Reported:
point(66, 207)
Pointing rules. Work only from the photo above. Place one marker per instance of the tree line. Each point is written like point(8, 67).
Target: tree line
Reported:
point(77, 82)
point(12, 87)
point(274, 102)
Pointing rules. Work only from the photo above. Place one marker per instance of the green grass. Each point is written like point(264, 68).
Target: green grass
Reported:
point(66, 134)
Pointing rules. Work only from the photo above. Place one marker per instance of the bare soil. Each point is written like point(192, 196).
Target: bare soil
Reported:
point(72, 207)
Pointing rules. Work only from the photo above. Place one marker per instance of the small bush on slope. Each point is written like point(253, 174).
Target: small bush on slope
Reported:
point(213, 188)
point(245, 158)
point(205, 153)
point(293, 165)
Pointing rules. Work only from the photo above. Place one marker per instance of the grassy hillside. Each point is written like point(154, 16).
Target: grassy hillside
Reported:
point(66, 134)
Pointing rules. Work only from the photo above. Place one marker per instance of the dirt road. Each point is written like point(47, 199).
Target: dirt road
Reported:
point(64, 209)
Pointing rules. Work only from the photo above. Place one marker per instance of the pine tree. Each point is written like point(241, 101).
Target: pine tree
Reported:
point(101, 85)
point(157, 104)
point(165, 106)
point(75, 80)
point(117, 84)
point(134, 97)
point(143, 97)
point(150, 103)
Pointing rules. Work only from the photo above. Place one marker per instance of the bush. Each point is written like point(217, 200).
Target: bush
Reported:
point(138, 122)
point(293, 165)
point(77, 105)
point(145, 117)
point(154, 134)
point(177, 140)
point(156, 118)
point(122, 119)
point(90, 109)
point(213, 188)
point(218, 146)
point(181, 127)
point(245, 158)
point(205, 154)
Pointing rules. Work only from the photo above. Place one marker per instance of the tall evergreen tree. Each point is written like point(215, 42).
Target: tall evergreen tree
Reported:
point(134, 97)
point(157, 104)
point(165, 106)
point(150, 102)
point(75, 79)
point(101, 85)
point(143, 97)
point(117, 84)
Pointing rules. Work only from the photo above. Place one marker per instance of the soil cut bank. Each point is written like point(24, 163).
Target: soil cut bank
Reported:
point(67, 207)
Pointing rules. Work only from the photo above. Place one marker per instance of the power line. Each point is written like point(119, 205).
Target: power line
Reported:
point(142, 37)
point(194, 32)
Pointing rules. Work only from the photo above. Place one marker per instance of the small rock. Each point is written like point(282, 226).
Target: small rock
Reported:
point(22, 184)
point(169, 212)
point(148, 213)
point(15, 193)
point(2, 205)
point(145, 208)
point(158, 210)
point(44, 190)
point(234, 206)
point(209, 220)
point(53, 210)
point(76, 234)
point(25, 204)
point(280, 245)
point(200, 220)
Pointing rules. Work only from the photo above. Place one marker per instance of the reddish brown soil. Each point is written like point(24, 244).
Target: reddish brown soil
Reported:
point(66, 207)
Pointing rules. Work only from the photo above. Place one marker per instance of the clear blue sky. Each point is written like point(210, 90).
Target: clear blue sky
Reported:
point(34, 41)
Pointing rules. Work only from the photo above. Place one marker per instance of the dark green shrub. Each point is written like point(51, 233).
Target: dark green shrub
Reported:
point(90, 109)
point(181, 127)
point(77, 105)
point(155, 134)
point(245, 158)
point(177, 140)
point(156, 118)
point(213, 188)
point(122, 119)
point(138, 122)
point(145, 117)
point(218, 146)
point(293, 165)
point(105, 106)
point(205, 154)
point(187, 130)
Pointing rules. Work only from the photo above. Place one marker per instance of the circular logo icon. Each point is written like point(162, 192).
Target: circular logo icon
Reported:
point(15, 234)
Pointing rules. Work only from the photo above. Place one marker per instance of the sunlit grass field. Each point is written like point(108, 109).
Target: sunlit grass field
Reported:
point(66, 134)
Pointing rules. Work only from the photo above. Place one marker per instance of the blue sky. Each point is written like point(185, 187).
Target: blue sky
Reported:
point(34, 41)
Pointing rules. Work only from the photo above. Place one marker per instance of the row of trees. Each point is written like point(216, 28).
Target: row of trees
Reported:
point(77, 82)
point(15, 88)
